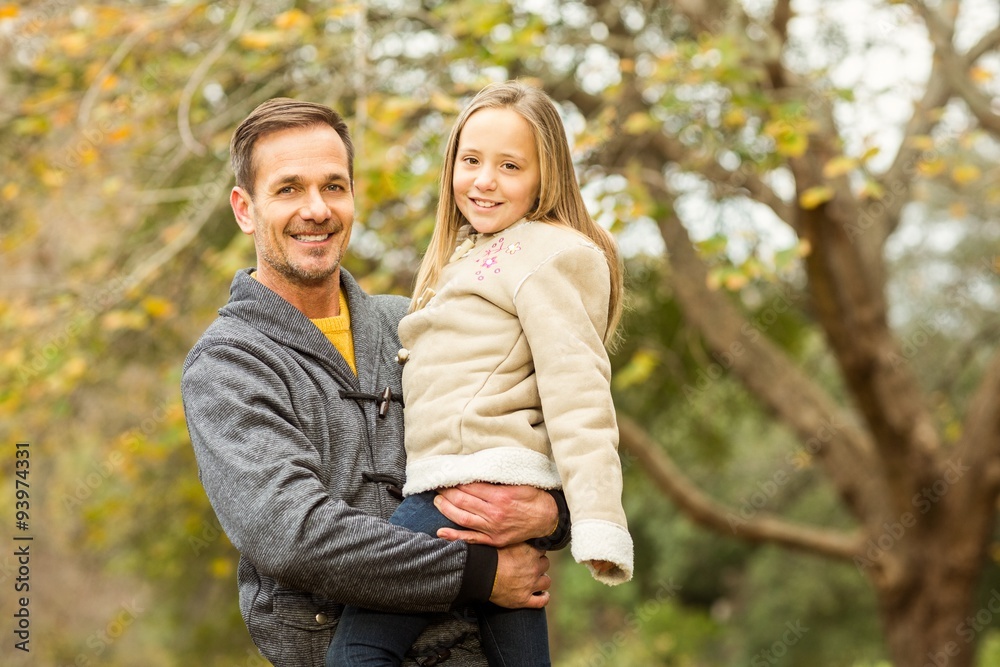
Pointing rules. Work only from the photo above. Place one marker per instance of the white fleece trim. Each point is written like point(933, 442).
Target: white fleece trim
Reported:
point(595, 539)
point(499, 465)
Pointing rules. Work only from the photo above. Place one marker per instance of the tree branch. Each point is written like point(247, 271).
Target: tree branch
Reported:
point(194, 81)
point(674, 151)
point(711, 514)
point(956, 67)
point(980, 443)
point(844, 451)
point(896, 182)
point(988, 42)
point(136, 37)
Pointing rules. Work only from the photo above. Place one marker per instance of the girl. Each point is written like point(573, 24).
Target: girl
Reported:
point(507, 379)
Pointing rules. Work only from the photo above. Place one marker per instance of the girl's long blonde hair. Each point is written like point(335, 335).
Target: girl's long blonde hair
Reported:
point(559, 198)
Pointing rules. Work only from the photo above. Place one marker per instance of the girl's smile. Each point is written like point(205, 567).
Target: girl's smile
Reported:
point(497, 177)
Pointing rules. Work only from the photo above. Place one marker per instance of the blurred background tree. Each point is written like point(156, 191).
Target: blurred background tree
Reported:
point(807, 197)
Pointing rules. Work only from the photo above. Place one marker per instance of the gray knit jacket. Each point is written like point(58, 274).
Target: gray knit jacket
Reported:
point(300, 476)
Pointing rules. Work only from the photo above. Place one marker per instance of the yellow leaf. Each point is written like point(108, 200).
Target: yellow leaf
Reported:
point(34, 125)
point(124, 132)
point(8, 11)
point(788, 140)
point(931, 168)
point(260, 39)
point(734, 118)
point(792, 144)
point(157, 307)
point(736, 280)
point(839, 166)
point(111, 186)
point(713, 280)
point(74, 45)
point(53, 178)
point(870, 153)
point(872, 190)
point(222, 568)
point(980, 75)
point(922, 142)
point(10, 191)
point(815, 196)
point(293, 19)
point(86, 155)
point(638, 369)
point(74, 369)
point(964, 174)
point(444, 103)
point(117, 320)
point(640, 123)
point(343, 11)
point(802, 459)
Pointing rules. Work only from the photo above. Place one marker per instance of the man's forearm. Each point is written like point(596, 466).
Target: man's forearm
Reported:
point(479, 576)
point(559, 538)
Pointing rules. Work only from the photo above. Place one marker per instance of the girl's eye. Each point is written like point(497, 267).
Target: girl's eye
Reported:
point(470, 160)
point(509, 165)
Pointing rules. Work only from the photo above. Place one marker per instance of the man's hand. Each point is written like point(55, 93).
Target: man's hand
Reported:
point(521, 580)
point(497, 515)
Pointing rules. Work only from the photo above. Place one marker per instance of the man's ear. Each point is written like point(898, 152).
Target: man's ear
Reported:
point(242, 205)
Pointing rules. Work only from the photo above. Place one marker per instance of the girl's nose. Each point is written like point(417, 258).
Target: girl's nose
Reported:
point(485, 180)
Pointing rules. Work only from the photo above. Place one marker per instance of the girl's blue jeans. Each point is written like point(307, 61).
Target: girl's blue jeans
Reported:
point(510, 637)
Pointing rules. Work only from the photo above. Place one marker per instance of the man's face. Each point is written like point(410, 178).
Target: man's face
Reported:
point(303, 207)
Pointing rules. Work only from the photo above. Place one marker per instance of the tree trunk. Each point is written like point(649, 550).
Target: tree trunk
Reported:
point(927, 594)
point(925, 505)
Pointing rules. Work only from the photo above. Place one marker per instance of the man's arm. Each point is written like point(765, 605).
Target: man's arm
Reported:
point(500, 515)
point(521, 579)
point(523, 521)
point(261, 474)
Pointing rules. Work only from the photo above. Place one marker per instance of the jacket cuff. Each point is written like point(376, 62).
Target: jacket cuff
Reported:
point(596, 539)
point(478, 577)
point(561, 535)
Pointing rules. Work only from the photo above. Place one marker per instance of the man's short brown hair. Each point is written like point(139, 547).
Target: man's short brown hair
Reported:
point(274, 115)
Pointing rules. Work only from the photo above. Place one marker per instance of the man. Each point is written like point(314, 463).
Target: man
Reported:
point(291, 399)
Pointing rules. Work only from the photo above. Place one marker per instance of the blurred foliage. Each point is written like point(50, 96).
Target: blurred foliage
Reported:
point(118, 246)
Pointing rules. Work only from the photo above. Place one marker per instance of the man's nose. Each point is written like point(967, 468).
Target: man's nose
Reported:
point(315, 207)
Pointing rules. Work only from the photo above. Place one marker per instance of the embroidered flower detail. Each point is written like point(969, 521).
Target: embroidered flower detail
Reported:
point(490, 256)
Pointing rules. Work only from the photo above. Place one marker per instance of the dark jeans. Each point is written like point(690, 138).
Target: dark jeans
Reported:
point(510, 637)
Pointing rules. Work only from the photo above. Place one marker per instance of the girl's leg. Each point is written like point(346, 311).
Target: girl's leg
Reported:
point(381, 639)
point(373, 639)
point(514, 637)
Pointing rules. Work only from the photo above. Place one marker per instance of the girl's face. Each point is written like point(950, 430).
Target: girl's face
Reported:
point(497, 176)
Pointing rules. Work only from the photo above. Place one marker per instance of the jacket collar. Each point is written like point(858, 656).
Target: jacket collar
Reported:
point(267, 312)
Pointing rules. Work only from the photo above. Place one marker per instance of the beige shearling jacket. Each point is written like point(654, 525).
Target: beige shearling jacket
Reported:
point(507, 380)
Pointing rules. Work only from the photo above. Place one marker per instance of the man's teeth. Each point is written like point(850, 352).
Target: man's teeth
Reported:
point(314, 237)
